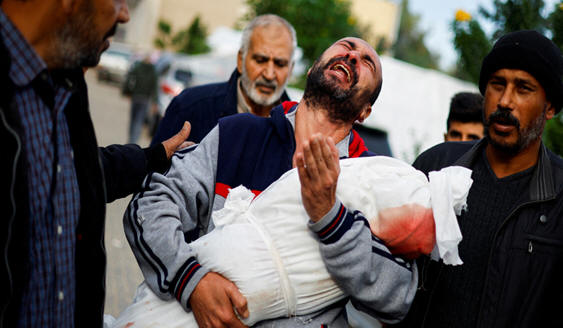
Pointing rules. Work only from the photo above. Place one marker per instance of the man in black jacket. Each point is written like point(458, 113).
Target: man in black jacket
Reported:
point(512, 244)
point(55, 180)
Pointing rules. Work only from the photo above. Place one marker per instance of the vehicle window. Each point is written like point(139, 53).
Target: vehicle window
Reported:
point(183, 76)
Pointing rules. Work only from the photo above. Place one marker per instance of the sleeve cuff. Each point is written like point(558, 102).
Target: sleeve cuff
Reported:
point(185, 281)
point(156, 158)
point(333, 225)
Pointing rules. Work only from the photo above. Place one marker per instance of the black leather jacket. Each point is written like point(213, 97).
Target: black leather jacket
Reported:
point(524, 277)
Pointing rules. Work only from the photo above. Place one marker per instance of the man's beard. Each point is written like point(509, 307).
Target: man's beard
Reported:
point(525, 136)
point(77, 43)
point(250, 86)
point(342, 105)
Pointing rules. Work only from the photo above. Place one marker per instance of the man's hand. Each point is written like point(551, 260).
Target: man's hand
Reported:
point(212, 302)
point(318, 168)
point(178, 141)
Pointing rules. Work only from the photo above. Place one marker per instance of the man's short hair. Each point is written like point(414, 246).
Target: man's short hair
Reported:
point(466, 107)
point(262, 21)
point(532, 52)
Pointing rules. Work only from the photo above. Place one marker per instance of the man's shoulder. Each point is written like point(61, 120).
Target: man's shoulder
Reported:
point(204, 92)
point(442, 155)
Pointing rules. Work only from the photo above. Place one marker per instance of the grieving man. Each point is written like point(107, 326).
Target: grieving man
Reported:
point(175, 208)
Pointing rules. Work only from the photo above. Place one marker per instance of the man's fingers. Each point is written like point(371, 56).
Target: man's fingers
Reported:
point(185, 144)
point(310, 162)
point(330, 154)
point(301, 170)
point(317, 144)
point(238, 301)
point(185, 131)
point(172, 144)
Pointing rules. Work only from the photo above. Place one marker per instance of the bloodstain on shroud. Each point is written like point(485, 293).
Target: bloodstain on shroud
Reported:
point(407, 230)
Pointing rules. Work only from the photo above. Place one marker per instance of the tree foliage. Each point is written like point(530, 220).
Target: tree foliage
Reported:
point(473, 45)
point(555, 23)
point(514, 15)
point(409, 45)
point(317, 27)
point(553, 134)
point(191, 40)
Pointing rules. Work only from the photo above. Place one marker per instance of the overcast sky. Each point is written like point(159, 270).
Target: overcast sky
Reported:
point(436, 18)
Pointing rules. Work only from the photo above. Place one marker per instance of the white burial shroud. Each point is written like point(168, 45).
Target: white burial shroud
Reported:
point(265, 247)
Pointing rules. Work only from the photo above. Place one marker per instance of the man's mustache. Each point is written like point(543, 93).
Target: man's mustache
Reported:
point(503, 116)
point(262, 82)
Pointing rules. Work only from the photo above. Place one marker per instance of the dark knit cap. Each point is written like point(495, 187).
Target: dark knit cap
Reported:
point(532, 52)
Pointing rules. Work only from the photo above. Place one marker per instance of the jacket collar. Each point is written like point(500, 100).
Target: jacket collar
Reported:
point(230, 104)
point(542, 186)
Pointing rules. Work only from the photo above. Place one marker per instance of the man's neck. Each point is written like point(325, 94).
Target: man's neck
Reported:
point(504, 164)
point(309, 121)
point(35, 20)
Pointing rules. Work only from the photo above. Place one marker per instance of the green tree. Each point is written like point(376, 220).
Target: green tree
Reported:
point(553, 134)
point(193, 39)
point(514, 15)
point(409, 45)
point(317, 23)
point(163, 34)
point(472, 45)
point(555, 21)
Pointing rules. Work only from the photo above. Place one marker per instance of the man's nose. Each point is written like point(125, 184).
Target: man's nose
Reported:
point(506, 98)
point(353, 56)
point(269, 71)
point(123, 12)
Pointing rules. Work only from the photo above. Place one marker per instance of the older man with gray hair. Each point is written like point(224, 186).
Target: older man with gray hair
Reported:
point(264, 64)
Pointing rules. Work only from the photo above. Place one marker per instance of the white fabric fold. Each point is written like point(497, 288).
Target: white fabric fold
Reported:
point(449, 188)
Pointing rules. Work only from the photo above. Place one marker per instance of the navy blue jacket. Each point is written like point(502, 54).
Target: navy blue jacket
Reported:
point(202, 106)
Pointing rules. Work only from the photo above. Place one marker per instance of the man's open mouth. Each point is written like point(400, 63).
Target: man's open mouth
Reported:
point(344, 69)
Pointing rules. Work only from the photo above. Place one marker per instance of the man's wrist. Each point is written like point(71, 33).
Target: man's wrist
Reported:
point(157, 161)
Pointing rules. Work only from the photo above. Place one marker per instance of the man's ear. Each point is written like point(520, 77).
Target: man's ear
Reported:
point(239, 62)
point(550, 112)
point(364, 113)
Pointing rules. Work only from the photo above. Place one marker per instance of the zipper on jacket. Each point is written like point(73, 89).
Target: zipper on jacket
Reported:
point(13, 201)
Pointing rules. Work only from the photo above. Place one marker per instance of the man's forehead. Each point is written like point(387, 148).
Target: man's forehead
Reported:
point(513, 73)
point(271, 38)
